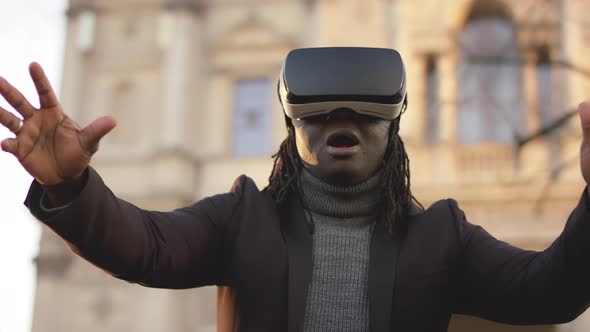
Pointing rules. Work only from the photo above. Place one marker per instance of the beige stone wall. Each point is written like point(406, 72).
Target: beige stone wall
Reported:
point(166, 70)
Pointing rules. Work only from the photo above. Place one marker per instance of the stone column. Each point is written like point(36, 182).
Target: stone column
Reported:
point(530, 90)
point(180, 40)
point(392, 25)
point(414, 121)
point(79, 41)
point(570, 51)
point(448, 94)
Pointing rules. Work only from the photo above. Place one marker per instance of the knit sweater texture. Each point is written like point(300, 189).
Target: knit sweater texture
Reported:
point(343, 218)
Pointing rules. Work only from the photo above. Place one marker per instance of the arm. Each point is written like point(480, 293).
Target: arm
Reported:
point(503, 283)
point(178, 249)
point(497, 281)
point(175, 249)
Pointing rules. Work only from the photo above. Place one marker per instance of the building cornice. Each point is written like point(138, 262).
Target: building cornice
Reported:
point(192, 6)
point(79, 6)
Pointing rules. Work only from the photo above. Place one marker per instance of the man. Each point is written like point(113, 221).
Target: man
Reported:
point(334, 243)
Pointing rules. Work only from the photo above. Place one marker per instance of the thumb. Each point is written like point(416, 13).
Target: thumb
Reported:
point(94, 132)
point(584, 111)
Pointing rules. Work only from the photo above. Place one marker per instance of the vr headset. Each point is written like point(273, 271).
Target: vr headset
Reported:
point(317, 81)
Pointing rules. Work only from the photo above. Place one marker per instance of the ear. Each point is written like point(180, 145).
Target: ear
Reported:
point(405, 105)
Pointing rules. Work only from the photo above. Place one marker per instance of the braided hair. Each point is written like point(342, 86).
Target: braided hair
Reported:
point(285, 176)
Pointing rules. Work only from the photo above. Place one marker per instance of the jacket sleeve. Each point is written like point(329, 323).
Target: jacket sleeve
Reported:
point(499, 282)
point(178, 249)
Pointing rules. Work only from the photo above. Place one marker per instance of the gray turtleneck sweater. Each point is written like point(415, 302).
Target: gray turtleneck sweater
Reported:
point(343, 218)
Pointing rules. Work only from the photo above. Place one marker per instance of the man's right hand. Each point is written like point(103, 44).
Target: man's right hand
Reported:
point(49, 145)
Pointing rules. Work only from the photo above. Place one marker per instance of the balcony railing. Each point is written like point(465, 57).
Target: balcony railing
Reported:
point(483, 163)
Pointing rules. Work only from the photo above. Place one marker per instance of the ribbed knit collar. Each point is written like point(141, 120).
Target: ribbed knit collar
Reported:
point(359, 200)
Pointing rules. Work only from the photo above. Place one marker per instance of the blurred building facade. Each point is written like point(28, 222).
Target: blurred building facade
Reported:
point(191, 84)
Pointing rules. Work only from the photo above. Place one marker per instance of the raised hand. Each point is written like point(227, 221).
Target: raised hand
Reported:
point(584, 110)
point(48, 144)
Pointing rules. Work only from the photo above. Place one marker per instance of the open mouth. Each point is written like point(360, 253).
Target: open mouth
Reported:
point(342, 140)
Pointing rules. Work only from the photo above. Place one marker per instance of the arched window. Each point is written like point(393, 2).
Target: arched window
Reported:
point(490, 106)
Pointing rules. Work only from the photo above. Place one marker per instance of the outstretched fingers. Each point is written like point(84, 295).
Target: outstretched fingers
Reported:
point(47, 97)
point(10, 145)
point(94, 132)
point(16, 99)
point(584, 110)
point(9, 120)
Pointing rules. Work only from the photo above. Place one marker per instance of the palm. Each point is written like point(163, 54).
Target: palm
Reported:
point(50, 146)
point(48, 149)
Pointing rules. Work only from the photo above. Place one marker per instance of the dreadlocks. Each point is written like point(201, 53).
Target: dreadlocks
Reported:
point(285, 176)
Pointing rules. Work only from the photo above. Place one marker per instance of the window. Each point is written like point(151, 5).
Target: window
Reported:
point(252, 118)
point(490, 81)
point(432, 101)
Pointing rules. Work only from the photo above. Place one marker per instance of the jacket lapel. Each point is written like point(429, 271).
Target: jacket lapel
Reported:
point(382, 266)
point(299, 250)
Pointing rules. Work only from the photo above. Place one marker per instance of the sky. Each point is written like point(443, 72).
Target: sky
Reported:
point(30, 30)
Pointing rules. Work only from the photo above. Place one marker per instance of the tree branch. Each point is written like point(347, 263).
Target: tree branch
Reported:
point(556, 124)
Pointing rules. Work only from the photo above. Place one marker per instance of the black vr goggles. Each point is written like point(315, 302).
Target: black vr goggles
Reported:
point(369, 81)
